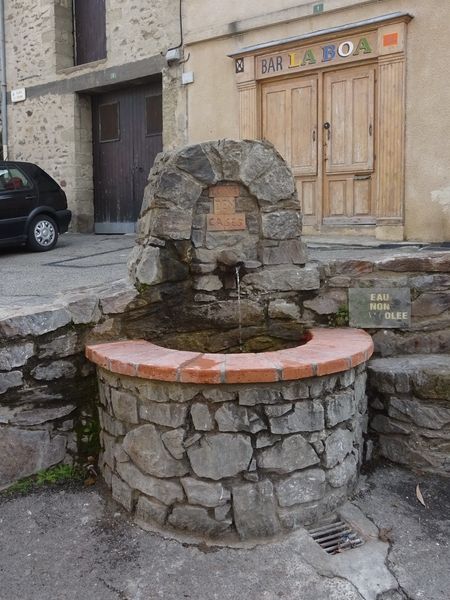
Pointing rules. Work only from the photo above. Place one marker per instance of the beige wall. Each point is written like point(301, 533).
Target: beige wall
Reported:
point(428, 123)
point(213, 103)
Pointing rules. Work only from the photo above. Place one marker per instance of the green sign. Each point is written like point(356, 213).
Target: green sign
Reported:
point(380, 307)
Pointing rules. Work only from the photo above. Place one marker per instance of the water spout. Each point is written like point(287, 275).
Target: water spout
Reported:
point(238, 285)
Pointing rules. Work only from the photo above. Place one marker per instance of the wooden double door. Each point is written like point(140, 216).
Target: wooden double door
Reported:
point(323, 124)
point(127, 136)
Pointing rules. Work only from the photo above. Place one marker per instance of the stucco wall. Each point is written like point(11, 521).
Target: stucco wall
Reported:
point(213, 102)
point(427, 123)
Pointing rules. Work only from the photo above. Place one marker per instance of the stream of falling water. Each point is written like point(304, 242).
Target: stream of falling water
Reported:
point(238, 283)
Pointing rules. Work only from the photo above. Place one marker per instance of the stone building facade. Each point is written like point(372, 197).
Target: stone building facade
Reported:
point(289, 73)
point(53, 126)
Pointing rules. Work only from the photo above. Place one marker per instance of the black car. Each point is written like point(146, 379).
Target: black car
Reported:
point(33, 207)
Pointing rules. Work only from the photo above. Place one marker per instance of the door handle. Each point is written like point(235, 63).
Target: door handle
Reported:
point(327, 126)
point(314, 135)
point(370, 129)
point(30, 197)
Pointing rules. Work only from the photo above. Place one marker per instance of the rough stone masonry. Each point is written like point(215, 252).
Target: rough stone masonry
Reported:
point(232, 461)
point(243, 461)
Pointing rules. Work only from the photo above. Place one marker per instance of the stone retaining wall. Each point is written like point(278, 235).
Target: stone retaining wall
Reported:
point(48, 391)
point(425, 272)
point(410, 406)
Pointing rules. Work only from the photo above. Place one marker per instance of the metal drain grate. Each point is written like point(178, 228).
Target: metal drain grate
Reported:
point(336, 537)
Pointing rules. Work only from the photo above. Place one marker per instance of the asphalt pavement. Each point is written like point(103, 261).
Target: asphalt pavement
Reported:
point(78, 261)
point(76, 543)
point(88, 261)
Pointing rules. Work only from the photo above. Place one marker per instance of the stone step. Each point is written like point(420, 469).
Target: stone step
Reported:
point(424, 375)
point(410, 409)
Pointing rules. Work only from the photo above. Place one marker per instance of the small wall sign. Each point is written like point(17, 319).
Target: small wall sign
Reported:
point(226, 222)
point(18, 95)
point(384, 308)
point(224, 216)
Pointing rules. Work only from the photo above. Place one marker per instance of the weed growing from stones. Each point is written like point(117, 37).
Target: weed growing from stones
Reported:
point(340, 318)
point(58, 475)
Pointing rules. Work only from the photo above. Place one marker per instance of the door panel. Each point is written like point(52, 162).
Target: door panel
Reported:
point(362, 196)
point(338, 196)
point(349, 118)
point(362, 146)
point(304, 127)
point(275, 129)
point(348, 199)
point(290, 122)
point(127, 136)
point(307, 192)
point(337, 131)
point(349, 99)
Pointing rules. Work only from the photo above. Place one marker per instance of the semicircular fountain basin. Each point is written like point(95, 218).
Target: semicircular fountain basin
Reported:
point(233, 446)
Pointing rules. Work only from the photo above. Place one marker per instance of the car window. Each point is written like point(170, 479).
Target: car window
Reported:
point(12, 178)
point(44, 182)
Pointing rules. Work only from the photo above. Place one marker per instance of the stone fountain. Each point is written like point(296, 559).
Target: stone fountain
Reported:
point(222, 416)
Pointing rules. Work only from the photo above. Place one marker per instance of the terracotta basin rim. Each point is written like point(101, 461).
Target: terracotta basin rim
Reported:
point(332, 350)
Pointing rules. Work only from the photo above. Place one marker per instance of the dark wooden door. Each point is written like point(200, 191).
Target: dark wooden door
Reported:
point(127, 136)
point(89, 30)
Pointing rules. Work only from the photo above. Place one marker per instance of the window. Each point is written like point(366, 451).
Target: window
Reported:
point(12, 178)
point(153, 114)
point(109, 122)
point(44, 181)
point(89, 30)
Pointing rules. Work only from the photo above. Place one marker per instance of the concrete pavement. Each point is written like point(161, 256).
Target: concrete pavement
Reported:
point(87, 261)
point(67, 544)
point(78, 261)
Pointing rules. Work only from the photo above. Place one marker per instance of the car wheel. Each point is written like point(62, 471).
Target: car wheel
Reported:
point(42, 234)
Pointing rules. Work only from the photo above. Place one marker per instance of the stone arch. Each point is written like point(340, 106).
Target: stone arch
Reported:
point(178, 180)
point(186, 253)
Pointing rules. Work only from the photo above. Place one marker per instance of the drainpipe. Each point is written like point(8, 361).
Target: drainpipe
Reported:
point(3, 82)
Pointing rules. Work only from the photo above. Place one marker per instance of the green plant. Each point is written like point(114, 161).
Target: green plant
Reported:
point(56, 475)
point(59, 474)
point(340, 318)
point(88, 436)
point(22, 487)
